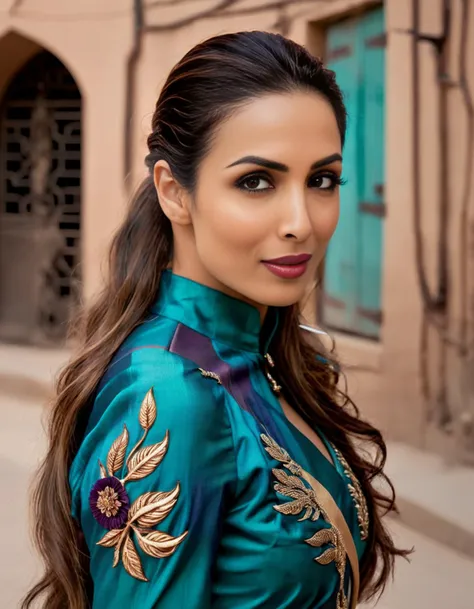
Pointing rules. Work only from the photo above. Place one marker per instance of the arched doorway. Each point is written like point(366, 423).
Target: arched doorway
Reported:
point(40, 201)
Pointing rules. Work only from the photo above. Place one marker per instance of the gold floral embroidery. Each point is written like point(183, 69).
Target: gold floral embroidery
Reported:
point(304, 498)
point(210, 375)
point(269, 359)
point(276, 388)
point(110, 504)
point(357, 495)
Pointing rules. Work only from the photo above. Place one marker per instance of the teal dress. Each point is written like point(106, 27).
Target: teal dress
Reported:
point(189, 483)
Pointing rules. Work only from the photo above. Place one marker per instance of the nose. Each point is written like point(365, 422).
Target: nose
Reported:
point(296, 221)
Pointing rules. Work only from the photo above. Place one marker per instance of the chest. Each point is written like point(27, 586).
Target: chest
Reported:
point(304, 428)
point(277, 547)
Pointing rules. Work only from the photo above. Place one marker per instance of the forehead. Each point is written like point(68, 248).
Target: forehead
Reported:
point(292, 128)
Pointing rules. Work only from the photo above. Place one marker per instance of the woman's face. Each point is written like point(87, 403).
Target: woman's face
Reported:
point(266, 201)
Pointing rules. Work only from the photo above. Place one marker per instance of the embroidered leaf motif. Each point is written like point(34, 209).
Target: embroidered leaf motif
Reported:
point(131, 560)
point(357, 495)
point(103, 471)
point(294, 468)
point(116, 455)
point(151, 508)
point(146, 460)
point(279, 454)
point(294, 493)
point(314, 517)
point(148, 510)
point(111, 539)
point(275, 451)
point(327, 557)
point(306, 498)
point(295, 488)
point(118, 547)
point(321, 537)
point(294, 508)
point(148, 411)
point(291, 481)
point(158, 544)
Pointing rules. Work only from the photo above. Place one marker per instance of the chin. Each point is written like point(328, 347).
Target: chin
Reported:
point(282, 296)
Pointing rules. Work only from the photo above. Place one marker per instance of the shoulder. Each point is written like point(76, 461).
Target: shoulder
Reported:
point(153, 389)
point(144, 362)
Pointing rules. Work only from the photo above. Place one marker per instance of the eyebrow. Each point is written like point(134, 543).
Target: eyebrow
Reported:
point(268, 164)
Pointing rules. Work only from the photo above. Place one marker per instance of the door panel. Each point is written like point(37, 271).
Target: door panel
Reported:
point(371, 36)
point(340, 270)
point(353, 265)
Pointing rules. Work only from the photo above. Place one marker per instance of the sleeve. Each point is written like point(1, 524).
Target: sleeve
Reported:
point(160, 467)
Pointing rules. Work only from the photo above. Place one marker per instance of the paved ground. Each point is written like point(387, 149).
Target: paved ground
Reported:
point(436, 578)
point(21, 443)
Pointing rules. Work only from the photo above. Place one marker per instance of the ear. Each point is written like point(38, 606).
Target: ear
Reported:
point(173, 198)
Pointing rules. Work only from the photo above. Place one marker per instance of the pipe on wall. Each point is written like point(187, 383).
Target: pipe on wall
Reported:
point(130, 84)
point(437, 301)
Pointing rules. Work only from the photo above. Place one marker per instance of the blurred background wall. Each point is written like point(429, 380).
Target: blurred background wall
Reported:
point(78, 84)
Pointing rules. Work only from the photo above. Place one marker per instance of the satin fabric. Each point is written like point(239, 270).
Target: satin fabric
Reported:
point(239, 551)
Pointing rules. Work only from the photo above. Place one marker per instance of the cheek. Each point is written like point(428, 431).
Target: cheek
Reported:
point(230, 223)
point(324, 220)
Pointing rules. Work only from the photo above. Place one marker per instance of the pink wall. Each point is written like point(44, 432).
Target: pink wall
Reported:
point(384, 378)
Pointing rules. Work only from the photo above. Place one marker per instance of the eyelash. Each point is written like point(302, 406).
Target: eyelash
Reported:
point(336, 181)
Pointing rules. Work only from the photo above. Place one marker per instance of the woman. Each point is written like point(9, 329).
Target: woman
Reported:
point(198, 438)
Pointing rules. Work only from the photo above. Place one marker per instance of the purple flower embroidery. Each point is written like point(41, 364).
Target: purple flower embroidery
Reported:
point(109, 503)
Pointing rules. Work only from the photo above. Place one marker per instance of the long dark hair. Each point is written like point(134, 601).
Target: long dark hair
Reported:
point(203, 89)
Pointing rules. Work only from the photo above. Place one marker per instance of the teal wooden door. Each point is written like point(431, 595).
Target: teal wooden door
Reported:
point(353, 270)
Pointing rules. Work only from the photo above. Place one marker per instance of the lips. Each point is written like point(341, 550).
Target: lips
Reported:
point(291, 260)
point(288, 267)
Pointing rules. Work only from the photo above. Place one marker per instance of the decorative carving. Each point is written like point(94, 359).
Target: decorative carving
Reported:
point(40, 182)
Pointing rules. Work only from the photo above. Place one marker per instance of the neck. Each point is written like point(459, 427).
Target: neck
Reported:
point(200, 275)
point(215, 313)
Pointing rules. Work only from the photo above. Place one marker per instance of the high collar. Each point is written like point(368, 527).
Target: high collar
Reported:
point(215, 314)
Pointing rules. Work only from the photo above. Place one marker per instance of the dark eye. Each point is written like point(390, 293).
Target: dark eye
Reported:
point(325, 181)
point(254, 183)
